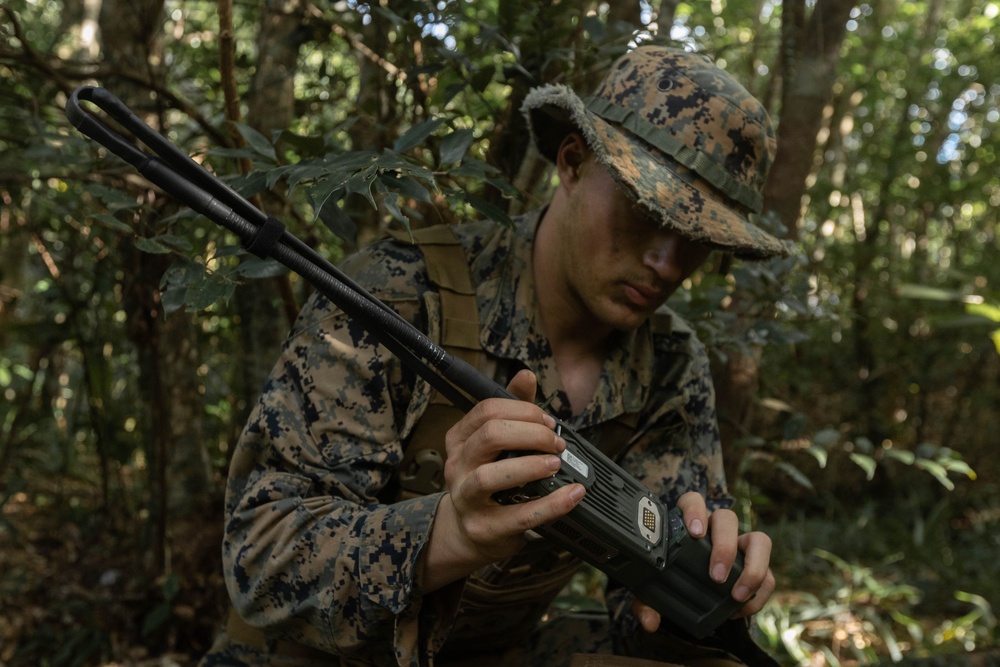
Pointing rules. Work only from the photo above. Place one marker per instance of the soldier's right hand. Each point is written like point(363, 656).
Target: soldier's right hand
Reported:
point(470, 528)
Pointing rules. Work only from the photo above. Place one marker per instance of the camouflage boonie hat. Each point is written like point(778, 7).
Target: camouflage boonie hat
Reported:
point(661, 119)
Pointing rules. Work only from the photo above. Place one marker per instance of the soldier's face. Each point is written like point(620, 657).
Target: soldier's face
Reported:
point(621, 264)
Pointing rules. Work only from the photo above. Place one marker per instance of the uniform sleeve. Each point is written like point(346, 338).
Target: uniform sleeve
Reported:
point(310, 553)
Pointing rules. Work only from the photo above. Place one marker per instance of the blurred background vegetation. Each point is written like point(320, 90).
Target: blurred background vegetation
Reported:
point(858, 382)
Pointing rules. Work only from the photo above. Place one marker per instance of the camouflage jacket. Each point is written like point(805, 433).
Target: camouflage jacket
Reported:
point(316, 551)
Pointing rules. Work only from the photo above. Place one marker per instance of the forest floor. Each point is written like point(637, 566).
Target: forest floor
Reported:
point(76, 590)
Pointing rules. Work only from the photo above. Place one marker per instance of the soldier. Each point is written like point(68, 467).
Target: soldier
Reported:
point(360, 521)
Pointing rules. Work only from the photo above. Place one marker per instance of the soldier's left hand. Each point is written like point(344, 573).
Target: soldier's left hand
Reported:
point(756, 583)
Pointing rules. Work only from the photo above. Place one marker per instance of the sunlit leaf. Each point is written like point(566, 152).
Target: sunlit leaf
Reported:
point(900, 455)
point(821, 455)
point(938, 471)
point(866, 463)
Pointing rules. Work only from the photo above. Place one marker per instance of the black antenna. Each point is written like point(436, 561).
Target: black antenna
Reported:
point(266, 236)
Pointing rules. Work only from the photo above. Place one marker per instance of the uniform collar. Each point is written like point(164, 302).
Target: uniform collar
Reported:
point(511, 329)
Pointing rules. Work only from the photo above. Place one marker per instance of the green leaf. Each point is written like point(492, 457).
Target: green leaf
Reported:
point(796, 474)
point(111, 221)
point(595, 28)
point(416, 134)
point(482, 78)
point(504, 186)
point(152, 246)
point(391, 203)
point(937, 471)
point(473, 168)
point(361, 183)
point(236, 153)
point(260, 144)
point(456, 145)
point(866, 463)
point(341, 224)
point(864, 444)
point(256, 268)
point(821, 455)
point(172, 299)
point(322, 191)
point(406, 186)
point(156, 618)
point(901, 455)
point(911, 291)
point(174, 242)
point(487, 209)
point(986, 310)
point(171, 587)
point(206, 291)
point(826, 438)
point(113, 198)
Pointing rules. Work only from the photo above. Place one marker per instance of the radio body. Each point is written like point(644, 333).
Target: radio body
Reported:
point(622, 529)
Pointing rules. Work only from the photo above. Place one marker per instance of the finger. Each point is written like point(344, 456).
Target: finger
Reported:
point(756, 547)
point(535, 513)
point(504, 474)
point(757, 600)
point(503, 435)
point(648, 617)
point(523, 385)
point(725, 526)
point(692, 506)
point(496, 409)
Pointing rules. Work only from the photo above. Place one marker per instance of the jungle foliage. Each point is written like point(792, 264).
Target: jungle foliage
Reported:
point(858, 381)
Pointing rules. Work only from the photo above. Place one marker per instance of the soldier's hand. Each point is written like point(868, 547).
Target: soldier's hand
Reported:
point(754, 585)
point(470, 528)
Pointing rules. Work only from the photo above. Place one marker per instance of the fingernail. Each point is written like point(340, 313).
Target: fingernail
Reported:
point(719, 572)
point(548, 420)
point(741, 593)
point(697, 528)
point(553, 463)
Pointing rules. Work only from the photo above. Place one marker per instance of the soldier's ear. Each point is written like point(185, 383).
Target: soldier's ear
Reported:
point(572, 153)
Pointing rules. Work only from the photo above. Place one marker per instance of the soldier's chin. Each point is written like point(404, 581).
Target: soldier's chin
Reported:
point(629, 318)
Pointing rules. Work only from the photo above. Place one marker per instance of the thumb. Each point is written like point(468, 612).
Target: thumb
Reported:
point(523, 385)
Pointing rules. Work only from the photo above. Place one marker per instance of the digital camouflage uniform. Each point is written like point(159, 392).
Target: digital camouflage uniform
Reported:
point(320, 548)
point(315, 550)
